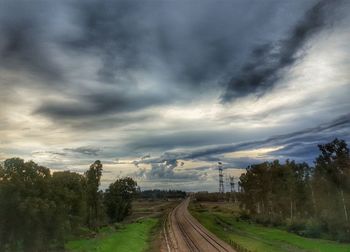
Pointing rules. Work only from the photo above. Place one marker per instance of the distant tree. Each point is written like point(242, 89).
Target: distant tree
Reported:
point(118, 198)
point(275, 191)
point(332, 181)
point(94, 201)
point(160, 194)
point(334, 165)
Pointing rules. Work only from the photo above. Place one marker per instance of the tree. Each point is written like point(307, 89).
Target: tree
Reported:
point(274, 192)
point(93, 177)
point(68, 190)
point(38, 211)
point(332, 177)
point(118, 198)
point(26, 208)
point(310, 200)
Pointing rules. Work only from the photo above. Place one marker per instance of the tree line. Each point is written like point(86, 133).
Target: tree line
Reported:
point(156, 194)
point(311, 201)
point(205, 196)
point(39, 211)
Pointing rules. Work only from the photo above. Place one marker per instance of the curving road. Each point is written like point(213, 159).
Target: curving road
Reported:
point(184, 233)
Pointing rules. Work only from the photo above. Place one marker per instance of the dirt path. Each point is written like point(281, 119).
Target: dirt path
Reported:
point(184, 233)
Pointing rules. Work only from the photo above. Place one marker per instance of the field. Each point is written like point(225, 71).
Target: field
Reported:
point(220, 219)
point(139, 232)
point(129, 237)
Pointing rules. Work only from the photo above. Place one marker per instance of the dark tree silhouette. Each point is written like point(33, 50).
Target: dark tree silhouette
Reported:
point(93, 178)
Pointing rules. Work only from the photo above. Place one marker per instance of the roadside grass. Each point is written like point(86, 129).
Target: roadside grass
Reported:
point(127, 237)
point(258, 238)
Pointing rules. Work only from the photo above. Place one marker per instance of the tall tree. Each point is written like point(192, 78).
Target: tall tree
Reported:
point(93, 178)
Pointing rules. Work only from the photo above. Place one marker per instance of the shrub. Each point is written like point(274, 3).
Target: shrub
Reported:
point(343, 235)
point(244, 215)
point(297, 227)
point(313, 229)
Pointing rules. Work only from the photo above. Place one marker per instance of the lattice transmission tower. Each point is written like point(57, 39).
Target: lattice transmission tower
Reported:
point(221, 178)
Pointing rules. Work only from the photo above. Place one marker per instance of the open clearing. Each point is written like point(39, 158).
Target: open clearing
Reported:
point(220, 219)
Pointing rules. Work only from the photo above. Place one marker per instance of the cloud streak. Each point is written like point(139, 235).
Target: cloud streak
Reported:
point(99, 104)
point(89, 151)
point(301, 145)
point(263, 70)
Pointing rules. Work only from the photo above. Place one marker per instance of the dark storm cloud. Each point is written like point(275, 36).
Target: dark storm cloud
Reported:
point(196, 42)
point(24, 45)
point(183, 45)
point(105, 122)
point(267, 61)
point(89, 151)
point(296, 144)
point(99, 104)
point(129, 35)
point(186, 138)
point(322, 133)
point(114, 31)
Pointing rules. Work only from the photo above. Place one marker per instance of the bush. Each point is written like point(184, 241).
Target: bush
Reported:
point(343, 235)
point(263, 220)
point(244, 215)
point(297, 227)
point(276, 220)
point(313, 229)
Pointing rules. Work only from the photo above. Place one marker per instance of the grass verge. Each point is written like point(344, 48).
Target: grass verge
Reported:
point(127, 237)
point(259, 238)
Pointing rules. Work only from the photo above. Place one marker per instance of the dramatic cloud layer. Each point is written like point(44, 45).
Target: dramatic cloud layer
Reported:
point(263, 70)
point(163, 90)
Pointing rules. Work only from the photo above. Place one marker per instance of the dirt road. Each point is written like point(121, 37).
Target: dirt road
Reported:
point(184, 233)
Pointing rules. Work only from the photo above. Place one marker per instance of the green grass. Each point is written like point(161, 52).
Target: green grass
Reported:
point(131, 237)
point(259, 238)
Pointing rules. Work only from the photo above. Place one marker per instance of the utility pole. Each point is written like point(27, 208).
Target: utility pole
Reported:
point(221, 178)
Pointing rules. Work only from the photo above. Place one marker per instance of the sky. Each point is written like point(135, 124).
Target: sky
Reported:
point(164, 90)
